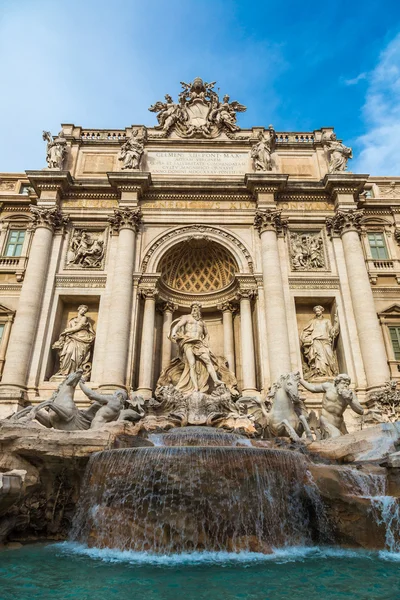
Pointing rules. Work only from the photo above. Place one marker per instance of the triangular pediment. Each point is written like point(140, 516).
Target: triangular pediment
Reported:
point(394, 309)
point(4, 310)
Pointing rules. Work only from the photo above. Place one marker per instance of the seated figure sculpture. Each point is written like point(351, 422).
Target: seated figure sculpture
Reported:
point(337, 397)
point(112, 407)
point(196, 365)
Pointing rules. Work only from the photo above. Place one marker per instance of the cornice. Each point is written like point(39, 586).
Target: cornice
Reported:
point(132, 181)
point(81, 281)
point(318, 283)
point(49, 179)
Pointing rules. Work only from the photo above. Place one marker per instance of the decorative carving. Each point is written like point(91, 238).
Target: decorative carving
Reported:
point(307, 251)
point(270, 219)
point(262, 151)
point(132, 149)
point(86, 250)
point(199, 112)
point(56, 150)
point(349, 220)
point(337, 396)
point(81, 282)
point(384, 403)
point(7, 186)
point(51, 218)
point(389, 191)
point(125, 218)
point(317, 344)
point(168, 307)
point(247, 293)
point(75, 344)
point(337, 153)
point(196, 364)
point(203, 230)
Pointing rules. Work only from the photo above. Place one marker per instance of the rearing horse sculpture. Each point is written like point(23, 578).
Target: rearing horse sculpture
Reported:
point(286, 417)
point(62, 412)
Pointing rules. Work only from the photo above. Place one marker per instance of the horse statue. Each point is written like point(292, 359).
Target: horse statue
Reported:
point(60, 412)
point(287, 416)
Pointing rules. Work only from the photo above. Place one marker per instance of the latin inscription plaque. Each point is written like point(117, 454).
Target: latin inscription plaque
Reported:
point(198, 163)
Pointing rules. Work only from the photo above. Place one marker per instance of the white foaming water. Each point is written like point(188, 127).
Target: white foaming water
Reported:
point(279, 555)
point(387, 512)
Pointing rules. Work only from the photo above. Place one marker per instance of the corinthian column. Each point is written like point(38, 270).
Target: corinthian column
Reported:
point(124, 224)
point(147, 346)
point(227, 320)
point(167, 309)
point(269, 224)
point(247, 343)
point(347, 225)
point(22, 336)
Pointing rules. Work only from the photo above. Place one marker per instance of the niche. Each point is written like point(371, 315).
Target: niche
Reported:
point(77, 347)
point(315, 352)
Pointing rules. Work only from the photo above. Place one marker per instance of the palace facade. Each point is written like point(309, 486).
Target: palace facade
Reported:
point(132, 226)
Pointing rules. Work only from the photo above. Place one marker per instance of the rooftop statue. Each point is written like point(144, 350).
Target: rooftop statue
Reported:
point(198, 113)
point(337, 397)
point(131, 151)
point(56, 150)
point(261, 152)
point(336, 152)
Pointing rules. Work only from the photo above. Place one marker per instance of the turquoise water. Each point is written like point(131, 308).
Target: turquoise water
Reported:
point(71, 572)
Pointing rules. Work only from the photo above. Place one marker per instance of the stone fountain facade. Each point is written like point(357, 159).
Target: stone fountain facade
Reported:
point(268, 231)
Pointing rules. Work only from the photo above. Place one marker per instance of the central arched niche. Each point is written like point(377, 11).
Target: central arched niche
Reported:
point(197, 266)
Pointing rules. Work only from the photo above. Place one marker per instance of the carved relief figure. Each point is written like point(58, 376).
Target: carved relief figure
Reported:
point(317, 344)
point(337, 397)
point(196, 364)
point(131, 151)
point(75, 344)
point(199, 112)
point(85, 250)
point(385, 404)
point(336, 152)
point(307, 251)
point(56, 150)
point(261, 152)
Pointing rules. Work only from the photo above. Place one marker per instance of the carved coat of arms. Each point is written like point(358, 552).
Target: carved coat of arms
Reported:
point(198, 113)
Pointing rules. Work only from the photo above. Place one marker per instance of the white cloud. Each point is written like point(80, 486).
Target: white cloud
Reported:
point(356, 80)
point(380, 145)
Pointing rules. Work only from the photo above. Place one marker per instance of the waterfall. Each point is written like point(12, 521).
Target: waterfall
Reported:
point(183, 498)
point(384, 509)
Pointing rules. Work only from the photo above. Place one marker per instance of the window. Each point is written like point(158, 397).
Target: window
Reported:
point(1, 331)
point(378, 246)
point(395, 339)
point(15, 242)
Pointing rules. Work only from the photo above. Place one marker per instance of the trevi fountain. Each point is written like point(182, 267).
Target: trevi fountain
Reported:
point(199, 410)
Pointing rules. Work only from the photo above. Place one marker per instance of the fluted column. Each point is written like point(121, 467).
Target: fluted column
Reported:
point(167, 309)
point(269, 224)
point(22, 337)
point(229, 345)
point(4, 341)
point(147, 346)
point(346, 223)
point(124, 223)
point(247, 343)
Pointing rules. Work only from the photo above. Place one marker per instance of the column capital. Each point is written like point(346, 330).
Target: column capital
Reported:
point(125, 218)
point(227, 307)
point(164, 307)
point(344, 221)
point(247, 294)
point(270, 219)
point(148, 293)
point(49, 218)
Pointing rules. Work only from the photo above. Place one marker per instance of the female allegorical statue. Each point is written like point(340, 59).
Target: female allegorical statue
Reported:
point(75, 344)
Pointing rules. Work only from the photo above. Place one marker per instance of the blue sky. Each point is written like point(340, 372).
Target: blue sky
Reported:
point(299, 65)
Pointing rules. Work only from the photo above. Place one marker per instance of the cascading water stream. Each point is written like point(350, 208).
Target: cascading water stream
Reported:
point(384, 509)
point(176, 498)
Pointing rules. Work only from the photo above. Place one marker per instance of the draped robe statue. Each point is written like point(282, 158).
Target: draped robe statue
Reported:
point(75, 344)
point(317, 341)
